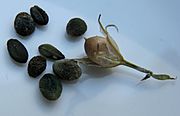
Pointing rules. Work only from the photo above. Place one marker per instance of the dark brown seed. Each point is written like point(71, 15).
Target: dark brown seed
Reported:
point(17, 50)
point(24, 24)
point(36, 66)
point(67, 69)
point(50, 52)
point(50, 87)
point(39, 15)
point(76, 27)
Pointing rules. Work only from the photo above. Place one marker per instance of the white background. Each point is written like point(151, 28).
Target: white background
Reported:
point(149, 33)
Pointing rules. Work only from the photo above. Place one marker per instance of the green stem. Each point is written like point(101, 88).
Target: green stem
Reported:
point(131, 65)
point(148, 72)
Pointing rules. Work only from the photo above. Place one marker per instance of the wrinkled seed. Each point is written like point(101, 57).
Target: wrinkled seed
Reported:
point(24, 24)
point(76, 27)
point(50, 52)
point(36, 66)
point(50, 87)
point(39, 15)
point(17, 51)
point(67, 69)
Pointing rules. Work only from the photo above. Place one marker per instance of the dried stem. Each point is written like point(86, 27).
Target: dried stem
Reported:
point(148, 72)
point(131, 65)
point(112, 25)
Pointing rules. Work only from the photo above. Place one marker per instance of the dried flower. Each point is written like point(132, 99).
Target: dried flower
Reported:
point(104, 52)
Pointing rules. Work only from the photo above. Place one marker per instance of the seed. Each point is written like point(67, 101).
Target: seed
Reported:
point(67, 69)
point(24, 24)
point(50, 52)
point(76, 27)
point(39, 15)
point(17, 51)
point(36, 66)
point(50, 87)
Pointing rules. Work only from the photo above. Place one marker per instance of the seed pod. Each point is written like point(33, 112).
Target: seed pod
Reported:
point(17, 51)
point(39, 15)
point(50, 87)
point(50, 51)
point(104, 52)
point(100, 51)
point(36, 66)
point(24, 24)
point(67, 69)
point(76, 27)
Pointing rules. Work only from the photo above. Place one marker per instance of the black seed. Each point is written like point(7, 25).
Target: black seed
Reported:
point(50, 87)
point(50, 52)
point(67, 69)
point(76, 27)
point(17, 51)
point(24, 24)
point(36, 66)
point(39, 15)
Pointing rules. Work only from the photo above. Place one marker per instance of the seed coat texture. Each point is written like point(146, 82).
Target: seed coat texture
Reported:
point(50, 52)
point(39, 15)
point(24, 24)
point(50, 87)
point(17, 51)
point(67, 69)
point(36, 66)
point(76, 27)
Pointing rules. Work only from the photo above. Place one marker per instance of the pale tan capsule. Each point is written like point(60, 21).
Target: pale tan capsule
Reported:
point(104, 52)
point(101, 52)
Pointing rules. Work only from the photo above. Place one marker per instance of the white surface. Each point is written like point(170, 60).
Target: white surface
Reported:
point(149, 36)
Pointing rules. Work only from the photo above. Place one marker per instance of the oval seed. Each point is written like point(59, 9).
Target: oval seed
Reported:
point(76, 27)
point(17, 51)
point(39, 15)
point(36, 66)
point(24, 24)
point(50, 87)
point(50, 51)
point(67, 69)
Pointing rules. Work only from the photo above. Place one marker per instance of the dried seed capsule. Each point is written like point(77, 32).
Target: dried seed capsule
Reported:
point(50, 87)
point(39, 15)
point(67, 69)
point(24, 24)
point(17, 51)
point(50, 51)
point(76, 27)
point(36, 66)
